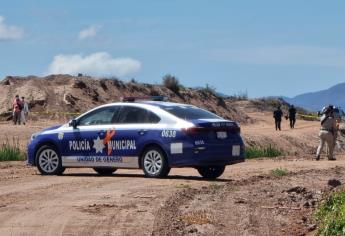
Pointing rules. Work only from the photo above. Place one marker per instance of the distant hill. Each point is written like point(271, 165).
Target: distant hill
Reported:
point(316, 100)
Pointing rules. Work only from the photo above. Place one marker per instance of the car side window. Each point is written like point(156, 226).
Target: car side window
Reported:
point(152, 118)
point(102, 116)
point(135, 115)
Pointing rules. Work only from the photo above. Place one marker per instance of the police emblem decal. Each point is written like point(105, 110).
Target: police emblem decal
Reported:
point(60, 136)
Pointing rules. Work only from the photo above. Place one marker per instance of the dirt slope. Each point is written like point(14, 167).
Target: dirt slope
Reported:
point(300, 142)
point(64, 93)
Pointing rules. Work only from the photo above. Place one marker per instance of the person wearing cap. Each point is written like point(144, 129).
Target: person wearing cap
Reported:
point(277, 115)
point(327, 132)
point(24, 112)
point(17, 108)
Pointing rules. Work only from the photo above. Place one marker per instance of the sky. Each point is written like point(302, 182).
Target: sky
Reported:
point(262, 47)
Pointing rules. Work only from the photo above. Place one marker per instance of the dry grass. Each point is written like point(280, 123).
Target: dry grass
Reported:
point(183, 186)
point(200, 217)
point(10, 151)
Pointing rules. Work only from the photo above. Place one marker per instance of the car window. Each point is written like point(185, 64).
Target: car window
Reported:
point(135, 115)
point(102, 116)
point(190, 112)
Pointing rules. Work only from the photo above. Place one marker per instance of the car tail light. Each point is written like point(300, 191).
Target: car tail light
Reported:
point(201, 130)
point(194, 130)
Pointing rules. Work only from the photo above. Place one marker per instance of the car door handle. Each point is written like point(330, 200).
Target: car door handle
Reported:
point(142, 131)
point(101, 132)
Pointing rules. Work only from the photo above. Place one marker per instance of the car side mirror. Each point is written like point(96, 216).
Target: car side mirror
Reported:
point(73, 123)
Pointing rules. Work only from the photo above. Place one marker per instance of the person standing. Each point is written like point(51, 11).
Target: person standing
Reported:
point(24, 112)
point(327, 133)
point(277, 115)
point(17, 108)
point(292, 116)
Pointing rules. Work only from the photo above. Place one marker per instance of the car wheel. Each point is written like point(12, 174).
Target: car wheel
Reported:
point(211, 172)
point(154, 163)
point(48, 161)
point(105, 171)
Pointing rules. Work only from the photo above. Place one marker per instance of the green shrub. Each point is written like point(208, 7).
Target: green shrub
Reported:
point(210, 90)
point(331, 215)
point(240, 96)
point(256, 152)
point(133, 81)
point(280, 172)
point(172, 83)
point(221, 102)
point(11, 151)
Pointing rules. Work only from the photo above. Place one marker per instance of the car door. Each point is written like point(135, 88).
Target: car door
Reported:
point(132, 128)
point(85, 145)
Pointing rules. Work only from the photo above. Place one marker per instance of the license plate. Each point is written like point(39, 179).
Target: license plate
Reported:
point(222, 135)
point(236, 150)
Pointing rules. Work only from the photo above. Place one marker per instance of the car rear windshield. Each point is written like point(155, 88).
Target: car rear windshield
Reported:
point(190, 112)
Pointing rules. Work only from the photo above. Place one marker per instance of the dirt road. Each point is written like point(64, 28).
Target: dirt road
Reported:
point(247, 200)
point(83, 203)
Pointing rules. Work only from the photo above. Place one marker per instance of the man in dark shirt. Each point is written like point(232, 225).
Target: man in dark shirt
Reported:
point(292, 116)
point(277, 115)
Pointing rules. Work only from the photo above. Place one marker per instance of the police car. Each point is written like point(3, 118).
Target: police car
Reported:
point(152, 135)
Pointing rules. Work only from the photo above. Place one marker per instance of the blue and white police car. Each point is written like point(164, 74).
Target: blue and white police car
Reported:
point(152, 135)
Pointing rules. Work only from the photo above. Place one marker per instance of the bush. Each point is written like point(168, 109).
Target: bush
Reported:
point(221, 102)
point(331, 215)
point(210, 90)
point(11, 152)
point(240, 96)
point(133, 81)
point(279, 172)
point(172, 83)
point(255, 152)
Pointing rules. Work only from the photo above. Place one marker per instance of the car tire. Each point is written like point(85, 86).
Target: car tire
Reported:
point(211, 172)
point(48, 161)
point(154, 163)
point(105, 171)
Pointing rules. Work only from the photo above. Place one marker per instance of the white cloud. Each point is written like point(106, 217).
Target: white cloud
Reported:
point(9, 32)
point(96, 64)
point(89, 32)
point(284, 55)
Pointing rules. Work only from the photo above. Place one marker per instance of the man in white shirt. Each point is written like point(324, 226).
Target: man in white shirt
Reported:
point(25, 111)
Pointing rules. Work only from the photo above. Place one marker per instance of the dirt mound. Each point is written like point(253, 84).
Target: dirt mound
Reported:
point(63, 94)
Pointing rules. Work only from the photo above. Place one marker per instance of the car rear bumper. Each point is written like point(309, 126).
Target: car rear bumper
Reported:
point(219, 162)
point(202, 160)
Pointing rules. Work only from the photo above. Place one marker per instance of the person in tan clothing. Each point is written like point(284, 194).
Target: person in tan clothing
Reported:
point(327, 133)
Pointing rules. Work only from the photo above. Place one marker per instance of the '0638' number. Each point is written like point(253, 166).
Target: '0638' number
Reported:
point(169, 133)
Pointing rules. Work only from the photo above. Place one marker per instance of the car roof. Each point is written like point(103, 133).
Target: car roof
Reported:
point(164, 104)
point(152, 105)
point(159, 104)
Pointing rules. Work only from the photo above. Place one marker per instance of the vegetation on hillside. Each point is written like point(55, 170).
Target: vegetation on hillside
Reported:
point(171, 82)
